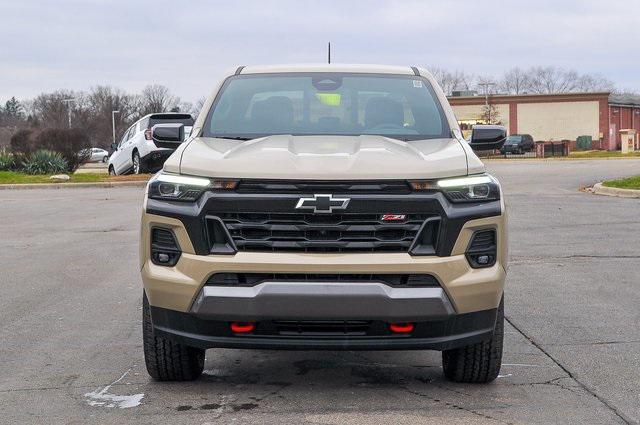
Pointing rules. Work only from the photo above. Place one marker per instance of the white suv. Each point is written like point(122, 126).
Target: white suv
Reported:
point(137, 152)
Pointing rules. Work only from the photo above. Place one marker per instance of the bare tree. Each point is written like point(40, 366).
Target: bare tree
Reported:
point(450, 81)
point(550, 79)
point(157, 98)
point(50, 110)
point(514, 81)
point(490, 114)
point(197, 107)
point(594, 83)
point(100, 102)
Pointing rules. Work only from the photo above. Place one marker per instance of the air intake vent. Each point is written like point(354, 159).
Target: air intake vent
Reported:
point(164, 248)
point(252, 279)
point(163, 238)
point(482, 249)
point(322, 328)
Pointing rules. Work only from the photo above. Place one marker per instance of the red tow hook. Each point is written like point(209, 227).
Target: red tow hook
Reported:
point(242, 327)
point(401, 327)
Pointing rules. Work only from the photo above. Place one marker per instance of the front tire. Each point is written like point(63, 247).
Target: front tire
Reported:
point(477, 363)
point(112, 171)
point(167, 360)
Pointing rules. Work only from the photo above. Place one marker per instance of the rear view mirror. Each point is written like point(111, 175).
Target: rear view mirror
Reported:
point(488, 137)
point(114, 146)
point(167, 135)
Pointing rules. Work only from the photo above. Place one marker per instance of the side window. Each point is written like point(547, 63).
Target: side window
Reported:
point(132, 132)
point(125, 136)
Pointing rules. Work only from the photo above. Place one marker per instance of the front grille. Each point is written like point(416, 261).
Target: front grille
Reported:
point(321, 233)
point(252, 279)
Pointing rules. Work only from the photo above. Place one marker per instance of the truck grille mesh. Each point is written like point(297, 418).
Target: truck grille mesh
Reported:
point(321, 233)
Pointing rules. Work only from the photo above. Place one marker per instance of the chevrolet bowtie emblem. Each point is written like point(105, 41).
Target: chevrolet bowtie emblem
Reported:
point(322, 203)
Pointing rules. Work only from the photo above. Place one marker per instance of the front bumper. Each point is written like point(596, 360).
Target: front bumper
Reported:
point(443, 333)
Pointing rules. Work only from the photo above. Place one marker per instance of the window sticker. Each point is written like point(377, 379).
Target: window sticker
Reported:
point(417, 83)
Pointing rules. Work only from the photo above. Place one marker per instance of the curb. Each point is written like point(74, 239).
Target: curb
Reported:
point(559, 159)
point(72, 185)
point(599, 189)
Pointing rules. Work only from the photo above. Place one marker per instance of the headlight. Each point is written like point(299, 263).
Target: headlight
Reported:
point(477, 188)
point(176, 187)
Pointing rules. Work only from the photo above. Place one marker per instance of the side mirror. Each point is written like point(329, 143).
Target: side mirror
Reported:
point(487, 137)
point(167, 135)
point(114, 146)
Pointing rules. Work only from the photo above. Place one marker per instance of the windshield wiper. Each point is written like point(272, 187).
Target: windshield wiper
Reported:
point(233, 137)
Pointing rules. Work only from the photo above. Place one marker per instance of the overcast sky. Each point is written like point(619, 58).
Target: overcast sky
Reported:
point(76, 44)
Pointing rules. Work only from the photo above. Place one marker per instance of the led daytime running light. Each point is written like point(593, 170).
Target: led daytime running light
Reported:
point(464, 181)
point(186, 180)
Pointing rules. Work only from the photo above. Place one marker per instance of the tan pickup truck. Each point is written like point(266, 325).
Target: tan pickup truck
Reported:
point(324, 207)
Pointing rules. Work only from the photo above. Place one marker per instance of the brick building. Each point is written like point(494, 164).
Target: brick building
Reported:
point(555, 117)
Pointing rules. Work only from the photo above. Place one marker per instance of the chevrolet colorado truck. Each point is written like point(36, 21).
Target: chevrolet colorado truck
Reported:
point(324, 207)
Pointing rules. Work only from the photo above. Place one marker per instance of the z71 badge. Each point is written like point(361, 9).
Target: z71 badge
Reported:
point(393, 217)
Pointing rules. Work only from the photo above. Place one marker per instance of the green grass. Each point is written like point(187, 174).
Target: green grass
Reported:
point(628, 183)
point(13, 177)
point(602, 154)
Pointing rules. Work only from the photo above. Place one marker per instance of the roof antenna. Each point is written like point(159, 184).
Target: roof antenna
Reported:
point(329, 53)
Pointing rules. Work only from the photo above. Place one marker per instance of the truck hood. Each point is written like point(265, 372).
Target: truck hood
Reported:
point(366, 157)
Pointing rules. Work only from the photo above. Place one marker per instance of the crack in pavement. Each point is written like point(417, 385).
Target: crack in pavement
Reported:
point(584, 386)
point(552, 382)
point(63, 387)
point(433, 399)
point(571, 344)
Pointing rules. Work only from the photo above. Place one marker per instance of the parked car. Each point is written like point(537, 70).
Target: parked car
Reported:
point(325, 207)
point(518, 143)
point(94, 155)
point(137, 152)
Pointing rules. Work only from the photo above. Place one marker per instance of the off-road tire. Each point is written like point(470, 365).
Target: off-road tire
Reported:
point(168, 360)
point(478, 363)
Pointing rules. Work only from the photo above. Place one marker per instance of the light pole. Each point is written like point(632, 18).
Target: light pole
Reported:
point(486, 85)
point(113, 124)
point(68, 102)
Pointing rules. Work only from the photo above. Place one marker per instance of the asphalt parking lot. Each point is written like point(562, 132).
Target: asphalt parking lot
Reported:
point(71, 349)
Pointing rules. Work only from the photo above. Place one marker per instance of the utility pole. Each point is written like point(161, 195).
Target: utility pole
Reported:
point(486, 85)
point(113, 124)
point(68, 102)
point(329, 53)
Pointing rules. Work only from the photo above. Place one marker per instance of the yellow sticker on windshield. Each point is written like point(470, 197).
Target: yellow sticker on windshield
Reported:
point(331, 99)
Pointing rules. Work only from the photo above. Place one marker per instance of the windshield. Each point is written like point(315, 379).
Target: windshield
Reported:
point(513, 140)
point(398, 106)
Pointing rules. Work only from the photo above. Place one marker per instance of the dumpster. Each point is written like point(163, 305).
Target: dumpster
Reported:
point(584, 143)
